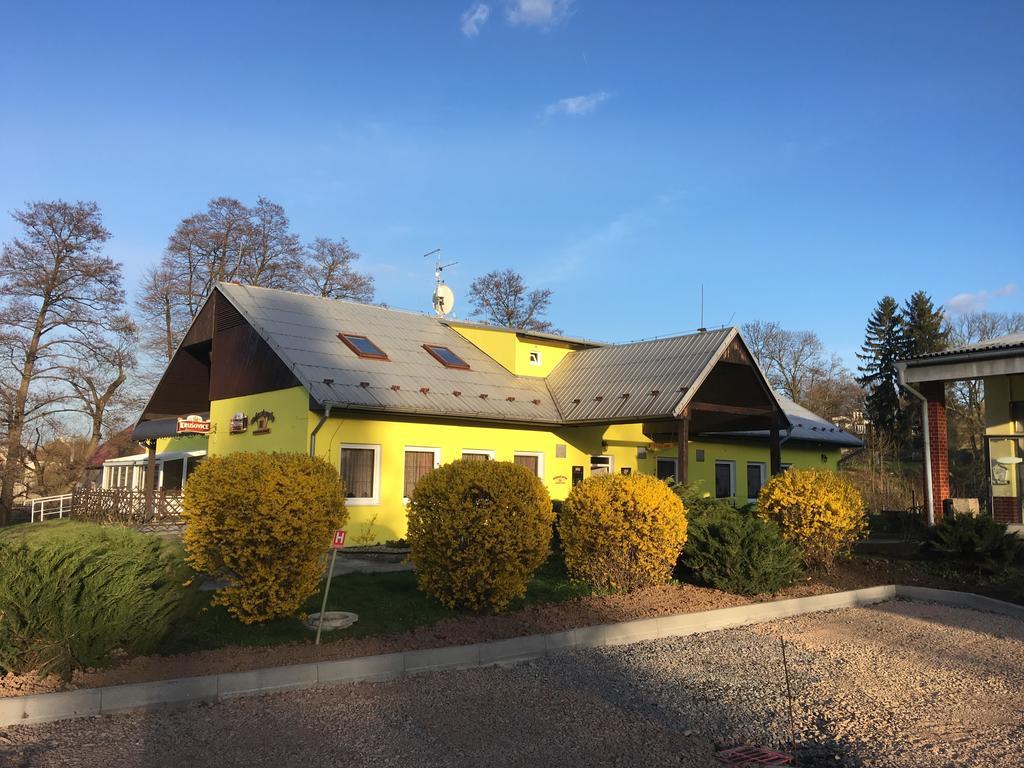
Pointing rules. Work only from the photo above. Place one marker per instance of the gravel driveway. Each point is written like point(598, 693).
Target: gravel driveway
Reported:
point(901, 684)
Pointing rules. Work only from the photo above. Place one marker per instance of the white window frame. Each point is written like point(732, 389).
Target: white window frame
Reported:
point(732, 478)
point(535, 357)
point(478, 452)
point(540, 460)
point(611, 462)
point(675, 466)
point(367, 501)
point(764, 478)
point(418, 449)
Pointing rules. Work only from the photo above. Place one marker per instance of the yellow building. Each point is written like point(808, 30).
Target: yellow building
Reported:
point(388, 395)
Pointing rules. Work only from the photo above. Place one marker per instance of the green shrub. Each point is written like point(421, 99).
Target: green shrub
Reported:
point(73, 593)
point(622, 532)
point(477, 532)
point(737, 552)
point(818, 510)
point(978, 541)
point(262, 522)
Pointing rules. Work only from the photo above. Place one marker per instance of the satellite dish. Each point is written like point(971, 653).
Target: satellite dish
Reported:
point(444, 300)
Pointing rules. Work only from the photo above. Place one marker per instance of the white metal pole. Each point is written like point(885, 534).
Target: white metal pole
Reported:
point(327, 588)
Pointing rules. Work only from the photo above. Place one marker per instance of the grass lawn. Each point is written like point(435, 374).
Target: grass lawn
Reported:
point(386, 603)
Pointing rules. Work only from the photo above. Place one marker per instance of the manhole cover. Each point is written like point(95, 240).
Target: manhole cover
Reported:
point(332, 620)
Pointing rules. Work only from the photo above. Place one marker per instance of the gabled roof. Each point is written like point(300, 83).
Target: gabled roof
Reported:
point(645, 379)
point(658, 377)
point(303, 330)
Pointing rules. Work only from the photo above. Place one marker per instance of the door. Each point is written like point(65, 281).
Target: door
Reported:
point(725, 479)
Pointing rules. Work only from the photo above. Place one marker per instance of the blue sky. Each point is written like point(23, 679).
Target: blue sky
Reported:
point(798, 159)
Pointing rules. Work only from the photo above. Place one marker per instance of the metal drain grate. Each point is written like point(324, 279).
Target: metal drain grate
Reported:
point(748, 757)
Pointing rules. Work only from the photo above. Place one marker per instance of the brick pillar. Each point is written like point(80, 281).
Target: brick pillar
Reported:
point(935, 393)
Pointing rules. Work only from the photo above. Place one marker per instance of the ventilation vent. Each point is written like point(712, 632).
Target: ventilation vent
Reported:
point(226, 316)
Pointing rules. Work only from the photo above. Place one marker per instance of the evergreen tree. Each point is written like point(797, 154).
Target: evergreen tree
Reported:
point(924, 331)
point(884, 344)
point(924, 328)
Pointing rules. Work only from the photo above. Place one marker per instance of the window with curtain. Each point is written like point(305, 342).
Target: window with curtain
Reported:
point(472, 456)
point(529, 460)
point(357, 470)
point(417, 464)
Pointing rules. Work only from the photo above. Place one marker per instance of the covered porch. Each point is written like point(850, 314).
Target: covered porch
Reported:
point(999, 363)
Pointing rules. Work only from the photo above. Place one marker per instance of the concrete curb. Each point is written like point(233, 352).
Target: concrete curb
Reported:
point(41, 708)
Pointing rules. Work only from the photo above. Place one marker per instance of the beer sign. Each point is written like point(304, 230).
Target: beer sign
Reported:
point(193, 424)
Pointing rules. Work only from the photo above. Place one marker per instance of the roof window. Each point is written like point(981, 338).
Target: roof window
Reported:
point(362, 346)
point(446, 357)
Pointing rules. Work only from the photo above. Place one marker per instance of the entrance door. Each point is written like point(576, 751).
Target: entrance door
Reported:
point(600, 465)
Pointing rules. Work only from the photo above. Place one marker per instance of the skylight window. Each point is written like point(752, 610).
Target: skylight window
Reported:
point(362, 346)
point(446, 357)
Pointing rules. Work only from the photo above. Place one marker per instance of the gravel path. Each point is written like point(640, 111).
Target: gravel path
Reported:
point(901, 684)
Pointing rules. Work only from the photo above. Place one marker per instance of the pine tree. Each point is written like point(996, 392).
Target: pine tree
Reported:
point(924, 332)
point(884, 344)
point(924, 328)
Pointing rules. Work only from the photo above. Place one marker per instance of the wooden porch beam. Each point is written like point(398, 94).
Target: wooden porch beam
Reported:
point(683, 446)
point(737, 410)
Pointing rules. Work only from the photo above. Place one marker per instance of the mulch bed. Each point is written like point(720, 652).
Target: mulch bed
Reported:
point(535, 619)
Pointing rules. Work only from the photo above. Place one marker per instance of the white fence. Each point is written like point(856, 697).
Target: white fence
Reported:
point(51, 506)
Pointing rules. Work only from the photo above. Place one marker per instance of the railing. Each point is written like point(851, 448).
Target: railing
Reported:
point(127, 506)
point(50, 506)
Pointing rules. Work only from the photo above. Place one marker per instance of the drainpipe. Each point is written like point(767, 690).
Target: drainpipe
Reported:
point(312, 435)
point(927, 443)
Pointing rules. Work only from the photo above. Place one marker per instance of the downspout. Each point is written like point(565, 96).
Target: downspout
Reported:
point(900, 371)
point(312, 435)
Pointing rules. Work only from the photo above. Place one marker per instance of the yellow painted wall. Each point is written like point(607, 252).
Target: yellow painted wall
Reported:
point(289, 432)
point(1000, 391)
point(181, 443)
point(513, 352)
point(387, 518)
point(702, 473)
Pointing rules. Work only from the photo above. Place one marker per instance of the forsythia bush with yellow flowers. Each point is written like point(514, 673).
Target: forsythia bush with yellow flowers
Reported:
point(477, 532)
point(819, 511)
point(622, 532)
point(262, 521)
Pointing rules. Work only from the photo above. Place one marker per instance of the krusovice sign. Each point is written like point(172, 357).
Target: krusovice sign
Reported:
point(193, 425)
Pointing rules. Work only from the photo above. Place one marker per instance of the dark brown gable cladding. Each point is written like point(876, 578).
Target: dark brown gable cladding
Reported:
point(221, 356)
point(243, 363)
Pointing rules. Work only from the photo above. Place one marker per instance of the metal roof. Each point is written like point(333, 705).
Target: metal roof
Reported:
point(599, 384)
point(644, 379)
point(985, 347)
point(303, 331)
point(805, 426)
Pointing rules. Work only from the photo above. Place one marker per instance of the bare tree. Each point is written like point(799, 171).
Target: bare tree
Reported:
point(329, 272)
point(58, 291)
point(97, 372)
point(797, 365)
point(162, 309)
point(502, 298)
point(232, 242)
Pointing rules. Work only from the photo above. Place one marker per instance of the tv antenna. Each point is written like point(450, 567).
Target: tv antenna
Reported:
point(444, 298)
point(702, 329)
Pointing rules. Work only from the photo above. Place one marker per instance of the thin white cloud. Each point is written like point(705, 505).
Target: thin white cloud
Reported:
point(474, 18)
point(578, 105)
point(538, 13)
point(965, 303)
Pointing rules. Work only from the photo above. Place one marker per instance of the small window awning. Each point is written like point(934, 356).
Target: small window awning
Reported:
point(157, 428)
